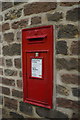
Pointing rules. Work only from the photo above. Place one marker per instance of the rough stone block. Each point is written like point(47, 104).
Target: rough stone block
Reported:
point(5, 27)
point(68, 3)
point(43, 112)
point(0, 38)
point(13, 14)
point(1, 100)
point(39, 7)
point(0, 49)
point(9, 62)
point(1, 61)
point(1, 18)
point(73, 15)
point(17, 93)
point(5, 90)
point(26, 108)
point(35, 20)
point(6, 5)
point(69, 64)
point(68, 31)
point(17, 63)
point(5, 114)
point(61, 47)
point(0, 27)
point(1, 71)
point(16, 115)
point(9, 37)
point(76, 92)
point(75, 115)
point(20, 73)
point(71, 79)
point(9, 72)
point(19, 36)
point(10, 103)
point(54, 17)
point(75, 48)
point(13, 49)
point(61, 63)
point(19, 83)
point(17, 3)
point(20, 24)
point(67, 103)
point(8, 82)
point(62, 90)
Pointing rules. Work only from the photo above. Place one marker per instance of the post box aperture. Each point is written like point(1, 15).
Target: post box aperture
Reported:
point(37, 65)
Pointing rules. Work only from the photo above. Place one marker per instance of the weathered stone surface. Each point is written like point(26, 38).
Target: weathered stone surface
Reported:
point(75, 48)
point(68, 3)
point(20, 73)
point(25, 108)
point(5, 90)
point(10, 103)
point(14, 49)
point(75, 115)
point(35, 20)
point(9, 37)
point(39, 7)
point(17, 93)
point(6, 5)
point(1, 100)
point(13, 14)
point(5, 27)
point(17, 63)
point(69, 64)
point(1, 61)
point(19, 36)
point(17, 3)
point(61, 47)
point(61, 63)
point(62, 90)
point(66, 103)
point(74, 64)
point(20, 24)
point(68, 31)
point(1, 71)
point(1, 18)
point(0, 27)
point(54, 17)
point(73, 15)
point(9, 72)
point(0, 49)
point(0, 38)
point(71, 79)
point(9, 62)
point(8, 82)
point(79, 65)
point(0, 80)
point(5, 114)
point(16, 115)
point(19, 83)
point(42, 112)
point(76, 92)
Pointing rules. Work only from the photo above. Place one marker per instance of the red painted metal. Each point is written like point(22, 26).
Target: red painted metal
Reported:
point(38, 91)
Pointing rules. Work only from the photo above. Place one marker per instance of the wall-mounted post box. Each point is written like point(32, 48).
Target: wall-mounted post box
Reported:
point(37, 64)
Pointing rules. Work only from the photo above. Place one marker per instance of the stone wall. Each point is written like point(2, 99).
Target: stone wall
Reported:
point(65, 17)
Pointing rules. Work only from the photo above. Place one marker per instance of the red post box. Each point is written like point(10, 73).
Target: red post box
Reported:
point(37, 65)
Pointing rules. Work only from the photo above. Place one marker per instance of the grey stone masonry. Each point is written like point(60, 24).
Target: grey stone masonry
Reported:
point(14, 49)
point(64, 16)
point(73, 15)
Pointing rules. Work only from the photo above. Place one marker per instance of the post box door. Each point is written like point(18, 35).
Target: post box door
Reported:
point(38, 68)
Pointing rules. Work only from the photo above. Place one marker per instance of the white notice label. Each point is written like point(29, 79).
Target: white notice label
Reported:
point(36, 68)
